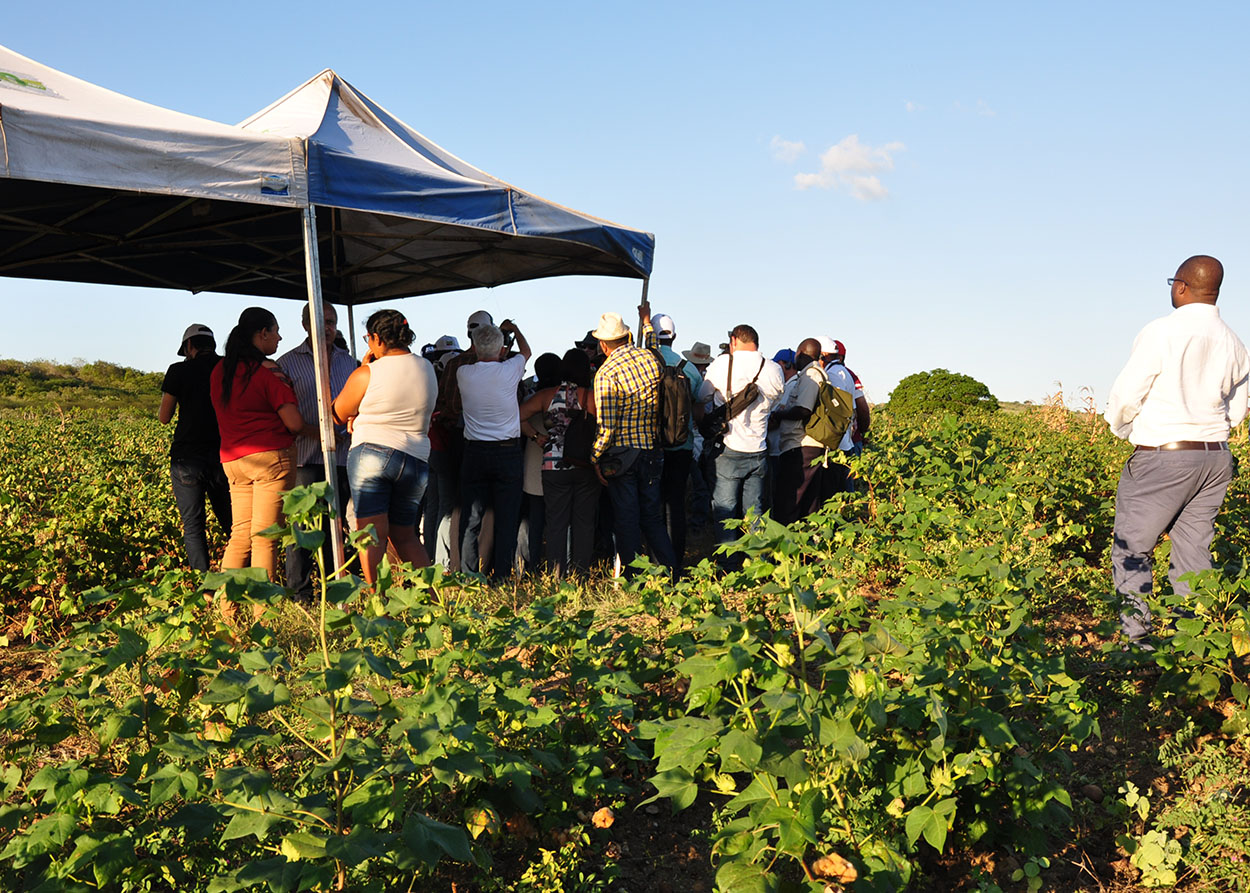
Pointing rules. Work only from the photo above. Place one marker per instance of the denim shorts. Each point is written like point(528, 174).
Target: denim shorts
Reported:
point(386, 481)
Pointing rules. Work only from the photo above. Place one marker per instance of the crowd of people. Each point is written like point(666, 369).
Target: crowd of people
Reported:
point(454, 455)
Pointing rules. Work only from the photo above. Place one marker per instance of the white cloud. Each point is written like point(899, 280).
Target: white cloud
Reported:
point(868, 189)
point(984, 110)
point(852, 164)
point(784, 150)
point(913, 106)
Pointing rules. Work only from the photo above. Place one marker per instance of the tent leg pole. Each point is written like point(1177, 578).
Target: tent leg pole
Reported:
point(321, 360)
point(351, 330)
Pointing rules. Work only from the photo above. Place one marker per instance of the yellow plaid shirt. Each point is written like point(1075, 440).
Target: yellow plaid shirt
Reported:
point(627, 398)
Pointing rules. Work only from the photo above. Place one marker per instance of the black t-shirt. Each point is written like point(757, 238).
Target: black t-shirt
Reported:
point(195, 436)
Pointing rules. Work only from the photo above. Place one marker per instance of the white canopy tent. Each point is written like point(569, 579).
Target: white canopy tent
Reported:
point(323, 192)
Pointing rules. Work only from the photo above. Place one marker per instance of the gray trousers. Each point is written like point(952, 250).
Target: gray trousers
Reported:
point(1178, 492)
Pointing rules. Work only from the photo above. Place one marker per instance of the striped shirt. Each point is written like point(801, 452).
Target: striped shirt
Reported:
point(627, 398)
point(298, 364)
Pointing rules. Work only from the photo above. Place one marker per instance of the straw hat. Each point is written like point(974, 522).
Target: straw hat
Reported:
point(611, 328)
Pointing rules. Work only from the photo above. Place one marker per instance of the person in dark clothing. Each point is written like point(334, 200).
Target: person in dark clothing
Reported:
point(194, 459)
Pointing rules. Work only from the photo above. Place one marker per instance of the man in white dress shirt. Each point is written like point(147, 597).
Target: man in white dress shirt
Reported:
point(740, 468)
point(1184, 388)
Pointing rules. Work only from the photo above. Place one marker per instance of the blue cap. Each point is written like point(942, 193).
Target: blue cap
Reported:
point(784, 356)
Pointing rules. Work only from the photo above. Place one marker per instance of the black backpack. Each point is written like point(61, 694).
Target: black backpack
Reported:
point(676, 404)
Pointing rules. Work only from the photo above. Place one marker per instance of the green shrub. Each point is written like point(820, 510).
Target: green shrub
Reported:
point(940, 391)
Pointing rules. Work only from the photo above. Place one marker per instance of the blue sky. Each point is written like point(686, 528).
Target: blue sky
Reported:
point(998, 189)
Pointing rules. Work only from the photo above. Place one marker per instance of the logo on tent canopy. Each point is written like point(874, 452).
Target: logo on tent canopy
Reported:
point(16, 81)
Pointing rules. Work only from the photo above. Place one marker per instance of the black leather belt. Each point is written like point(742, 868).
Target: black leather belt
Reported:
point(1210, 447)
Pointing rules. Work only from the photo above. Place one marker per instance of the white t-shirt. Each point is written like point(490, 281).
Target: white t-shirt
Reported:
point(840, 377)
point(748, 431)
point(488, 397)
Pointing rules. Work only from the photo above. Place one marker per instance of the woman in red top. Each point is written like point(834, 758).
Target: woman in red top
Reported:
point(258, 415)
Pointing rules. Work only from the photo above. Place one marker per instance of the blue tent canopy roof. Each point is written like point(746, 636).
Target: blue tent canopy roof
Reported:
point(99, 187)
point(364, 161)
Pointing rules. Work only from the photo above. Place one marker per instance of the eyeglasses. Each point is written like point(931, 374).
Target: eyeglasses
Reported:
point(1181, 281)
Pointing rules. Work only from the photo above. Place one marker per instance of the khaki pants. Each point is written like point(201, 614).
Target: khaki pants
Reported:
point(257, 483)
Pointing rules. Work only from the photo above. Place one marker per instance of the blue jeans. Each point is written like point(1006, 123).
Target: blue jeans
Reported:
point(491, 475)
point(386, 481)
point(195, 480)
point(638, 512)
point(739, 478)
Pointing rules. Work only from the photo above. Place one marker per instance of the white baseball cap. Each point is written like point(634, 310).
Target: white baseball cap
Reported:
point(191, 332)
point(663, 325)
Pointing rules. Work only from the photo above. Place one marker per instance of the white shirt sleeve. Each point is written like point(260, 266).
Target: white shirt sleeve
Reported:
point(772, 381)
point(1133, 384)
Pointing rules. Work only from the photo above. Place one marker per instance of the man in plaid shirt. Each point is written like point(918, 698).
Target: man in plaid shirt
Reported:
point(626, 453)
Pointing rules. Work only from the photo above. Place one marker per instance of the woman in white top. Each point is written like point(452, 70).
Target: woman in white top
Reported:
point(388, 402)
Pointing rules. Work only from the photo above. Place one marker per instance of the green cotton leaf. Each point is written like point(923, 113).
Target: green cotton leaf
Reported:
point(197, 821)
point(739, 751)
point(916, 821)
point(677, 785)
point(297, 503)
point(228, 687)
point(250, 822)
point(309, 539)
point(370, 803)
point(762, 788)
point(59, 782)
point(108, 857)
point(429, 840)
point(704, 672)
point(303, 845)
point(185, 747)
point(107, 797)
point(11, 817)
point(879, 641)
point(1206, 684)
point(44, 836)
point(172, 781)
point(10, 779)
point(240, 782)
point(361, 844)
point(262, 661)
point(129, 648)
point(119, 726)
point(796, 825)
point(927, 822)
point(277, 874)
point(265, 694)
point(743, 876)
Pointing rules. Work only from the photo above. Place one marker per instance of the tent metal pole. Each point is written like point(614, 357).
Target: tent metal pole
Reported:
point(351, 330)
point(321, 360)
point(645, 283)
